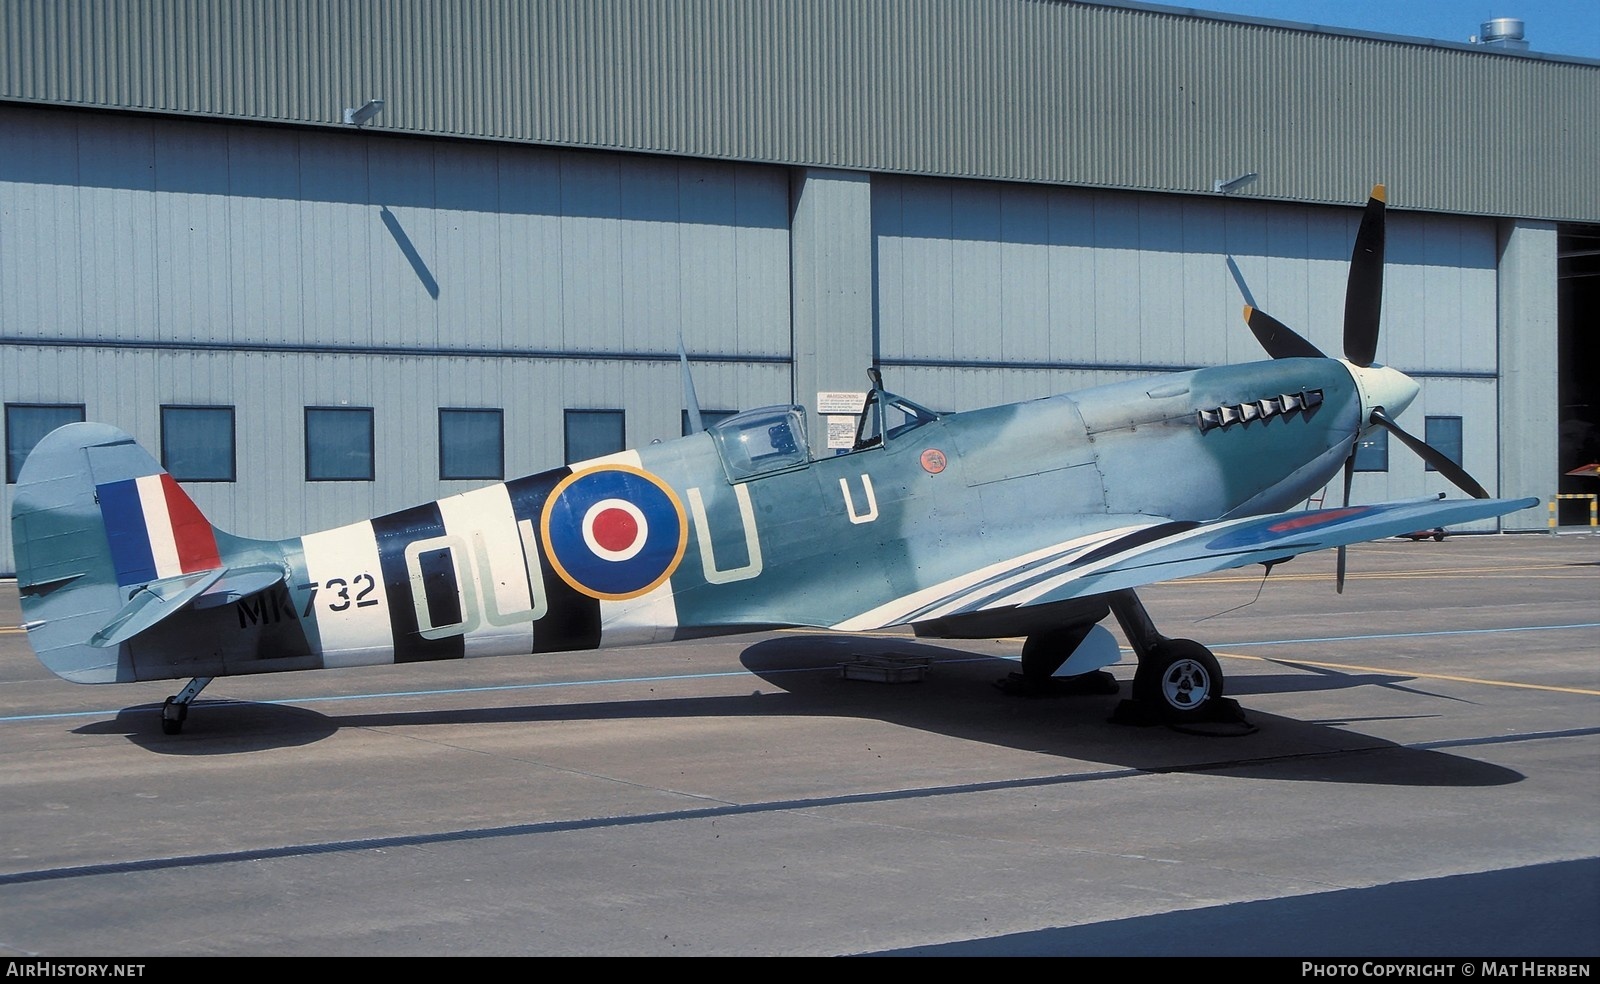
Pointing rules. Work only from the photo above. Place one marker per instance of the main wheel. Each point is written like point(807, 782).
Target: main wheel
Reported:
point(1180, 678)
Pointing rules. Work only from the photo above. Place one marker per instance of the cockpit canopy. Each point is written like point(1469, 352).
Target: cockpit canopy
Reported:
point(888, 414)
point(768, 440)
point(762, 441)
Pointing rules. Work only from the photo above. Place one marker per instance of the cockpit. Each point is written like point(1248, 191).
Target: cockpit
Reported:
point(769, 440)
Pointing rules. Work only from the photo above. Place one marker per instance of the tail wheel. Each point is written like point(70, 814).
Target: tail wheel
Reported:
point(1181, 678)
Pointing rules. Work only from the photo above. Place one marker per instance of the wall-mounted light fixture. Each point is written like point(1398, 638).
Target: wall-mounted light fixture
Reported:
point(356, 117)
point(1233, 184)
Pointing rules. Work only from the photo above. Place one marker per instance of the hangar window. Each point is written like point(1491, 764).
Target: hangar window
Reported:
point(1372, 451)
point(28, 423)
point(471, 444)
point(339, 445)
point(1444, 434)
point(197, 443)
point(593, 434)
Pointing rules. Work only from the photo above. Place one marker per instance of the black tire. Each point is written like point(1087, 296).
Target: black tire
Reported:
point(1044, 652)
point(1181, 679)
point(173, 715)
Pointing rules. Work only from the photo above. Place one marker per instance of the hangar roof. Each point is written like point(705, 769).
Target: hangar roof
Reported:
point(1114, 95)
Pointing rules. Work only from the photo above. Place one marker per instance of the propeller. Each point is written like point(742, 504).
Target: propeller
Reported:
point(1349, 475)
point(1363, 299)
point(1363, 295)
point(1363, 308)
point(1438, 459)
point(1277, 338)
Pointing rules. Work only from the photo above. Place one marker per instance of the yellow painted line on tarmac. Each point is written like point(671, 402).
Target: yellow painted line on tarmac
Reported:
point(1348, 667)
point(1392, 671)
point(1376, 575)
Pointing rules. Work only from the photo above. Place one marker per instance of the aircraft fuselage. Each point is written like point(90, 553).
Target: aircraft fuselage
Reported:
point(659, 543)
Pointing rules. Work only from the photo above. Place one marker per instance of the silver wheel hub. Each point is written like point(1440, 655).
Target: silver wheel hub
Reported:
point(1186, 684)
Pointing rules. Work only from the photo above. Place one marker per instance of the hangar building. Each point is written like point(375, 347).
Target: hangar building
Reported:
point(329, 259)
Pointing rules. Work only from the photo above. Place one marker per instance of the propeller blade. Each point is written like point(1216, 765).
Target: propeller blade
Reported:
point(1277, 338)
point(1349, 475)
point(1433, 456)
point(1363, 296)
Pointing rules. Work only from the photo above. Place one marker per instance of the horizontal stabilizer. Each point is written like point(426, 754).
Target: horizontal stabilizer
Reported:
point(152, 603)
point(238, 583)
point(162, 599)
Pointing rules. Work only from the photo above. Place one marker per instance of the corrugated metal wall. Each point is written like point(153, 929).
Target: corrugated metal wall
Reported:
point(148, 261)
point(156, 257)
point(1134, 96)
point(193, 234)
point(1017, 276)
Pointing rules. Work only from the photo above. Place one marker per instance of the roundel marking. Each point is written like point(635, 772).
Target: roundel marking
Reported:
point(614, 532)
point(933, 461)
point(615, 529)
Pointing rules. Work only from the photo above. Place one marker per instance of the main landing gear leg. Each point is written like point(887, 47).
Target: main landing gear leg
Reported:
point(176, 709)
point(1178, 681)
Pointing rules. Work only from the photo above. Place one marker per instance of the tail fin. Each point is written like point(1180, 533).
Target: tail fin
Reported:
point(95, 519)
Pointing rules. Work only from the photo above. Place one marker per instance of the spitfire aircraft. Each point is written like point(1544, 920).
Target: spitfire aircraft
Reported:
point(1035, 519)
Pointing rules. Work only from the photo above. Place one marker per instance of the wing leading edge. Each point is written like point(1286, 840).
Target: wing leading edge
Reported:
point(1133, 555)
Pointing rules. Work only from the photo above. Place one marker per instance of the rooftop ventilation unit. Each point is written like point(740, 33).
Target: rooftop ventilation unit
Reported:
point(1502, 32)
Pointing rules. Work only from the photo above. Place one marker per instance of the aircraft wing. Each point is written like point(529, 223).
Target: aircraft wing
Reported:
point(1141, 553)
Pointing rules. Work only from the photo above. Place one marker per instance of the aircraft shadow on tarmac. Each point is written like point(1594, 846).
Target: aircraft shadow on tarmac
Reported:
point(957, 698)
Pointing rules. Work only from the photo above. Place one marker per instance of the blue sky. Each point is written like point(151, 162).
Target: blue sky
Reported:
point(1558, 27)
